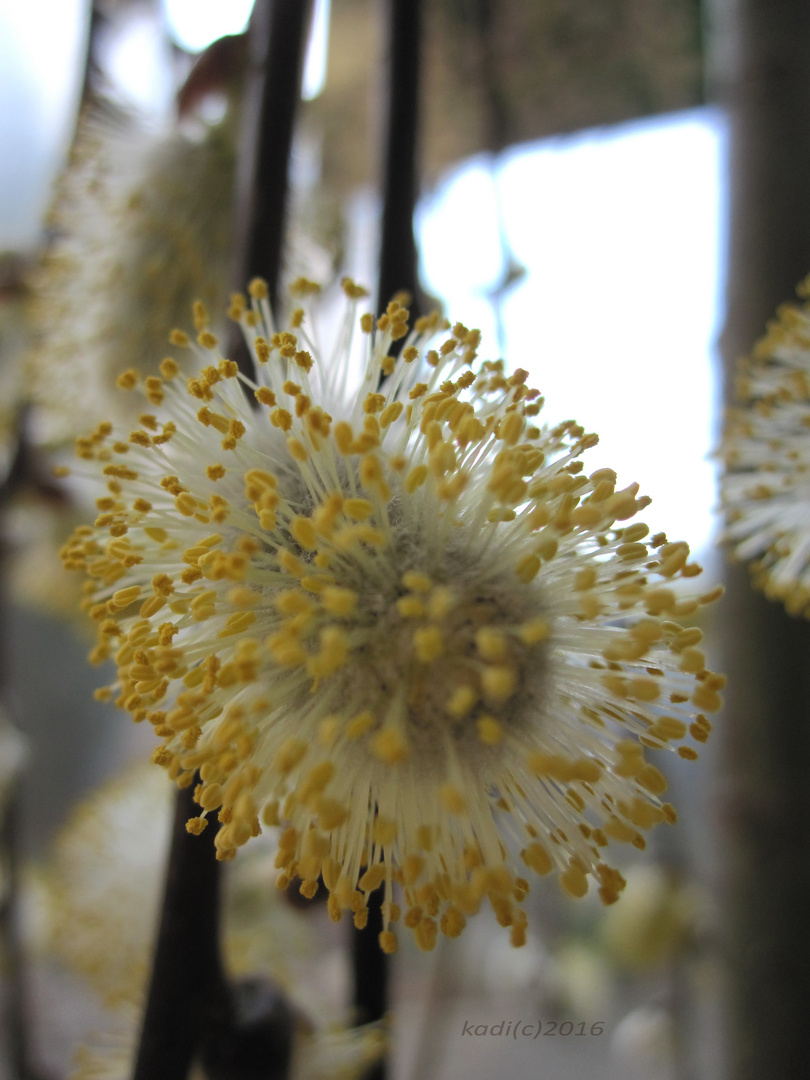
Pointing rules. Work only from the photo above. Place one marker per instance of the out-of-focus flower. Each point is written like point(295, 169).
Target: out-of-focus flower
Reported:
point(644, 1044)
point(571, 977)
point(13, 752)
point(34, 533)
point(109, 1055)
point(143, 222)
point(97, 902)
point(319, 1053)
point(103, 887)
point(398, 619)
point(766, 449)
point(655, 921)
point(338, 1054)
point(13, 338)
point(583, 977)
point(143, 225)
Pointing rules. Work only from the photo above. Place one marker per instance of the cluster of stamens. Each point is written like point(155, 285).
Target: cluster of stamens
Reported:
point(413, 635)
point(766, 449)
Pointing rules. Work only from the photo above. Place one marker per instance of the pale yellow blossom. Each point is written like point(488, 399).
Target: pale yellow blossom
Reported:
point(400, 620)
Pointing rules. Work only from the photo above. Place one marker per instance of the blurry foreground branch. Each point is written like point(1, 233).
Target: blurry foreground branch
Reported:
point(762, 59)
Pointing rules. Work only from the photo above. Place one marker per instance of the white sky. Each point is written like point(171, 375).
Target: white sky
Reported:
point(196, 23)
point(619, 230)
point(39, 83)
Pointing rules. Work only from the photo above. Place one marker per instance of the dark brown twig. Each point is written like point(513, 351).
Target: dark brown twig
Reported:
point(188, 998)
point(398, 271)
point(188, 981)
point(398, 255)
point(16, 1019)
point(371, 972)
point(761, 67)
point(276, 44)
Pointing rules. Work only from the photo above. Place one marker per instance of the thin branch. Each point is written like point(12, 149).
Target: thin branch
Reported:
point(24, 474)
point(398, 271)
point(761, 64)
point(276, 44)
point(188, 981)
point(398, 255)
point(370, 966)
point(188, 997)
point(16, 1019)
point(257, 1039)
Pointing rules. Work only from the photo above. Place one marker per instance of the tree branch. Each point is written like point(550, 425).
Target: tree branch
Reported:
point(398, 256)
point(188, 981)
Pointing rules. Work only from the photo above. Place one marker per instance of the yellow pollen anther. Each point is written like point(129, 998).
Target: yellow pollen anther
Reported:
point(441, 602)
point(651, 779)
point(417, 582)
point(388, 941)
point(428, 643)
point(339, 601)
point(461, 701)
point(359, 725)
point(389, 746)
point(258, 289)
point(411, 607)
point(536, 857)
point(491, 643)
point(372, 878)
point(452, 799)
point(331, 813)
point(315, 781)
point(333, 653)
point(304, 532)
point(416, 477)
point(574, 882)
point(289, 755)
point(384, 831)
point(358, 509)
point(124, 597)
point(498, 683)
point(490, 731)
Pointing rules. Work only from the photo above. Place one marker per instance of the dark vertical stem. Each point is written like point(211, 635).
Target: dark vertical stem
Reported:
point(762, 60)
point(15, 1020)
point(398, 271)
point(497, 114)
point(22, 475)
point(187, 983)
point(276, 45)
point(398, 255)
point(188, 996)
point(370, 966)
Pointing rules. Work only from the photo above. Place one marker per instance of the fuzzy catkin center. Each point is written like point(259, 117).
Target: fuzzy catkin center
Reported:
point(439, 656)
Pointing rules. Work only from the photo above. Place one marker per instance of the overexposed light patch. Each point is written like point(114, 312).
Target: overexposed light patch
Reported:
point(317, 51)
point(40, 59)
point(194, 24)
point(461, 246)
point(619, 231)
point(137, 59)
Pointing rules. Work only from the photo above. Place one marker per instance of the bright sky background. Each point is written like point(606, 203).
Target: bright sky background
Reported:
point(619, 230)
point(38, 88)
point(196, 23)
